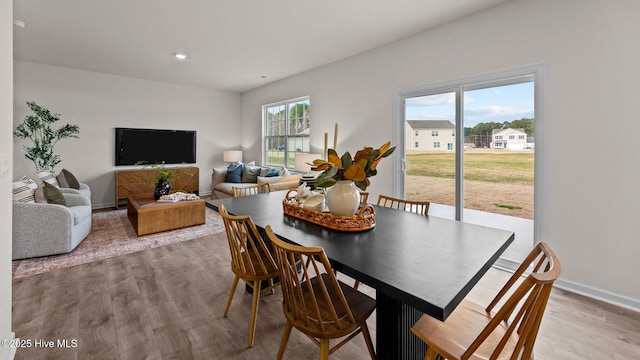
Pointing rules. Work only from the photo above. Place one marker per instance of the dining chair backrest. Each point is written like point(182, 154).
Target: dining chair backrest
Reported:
point(244, 242)
point(251, 261)
point(418, 207)
point(315, 302)
point(364, 196)
point(511, 321)
point(240, 191)
point(321, 307)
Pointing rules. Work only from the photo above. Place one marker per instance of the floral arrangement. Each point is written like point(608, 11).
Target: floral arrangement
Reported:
point(359, 168)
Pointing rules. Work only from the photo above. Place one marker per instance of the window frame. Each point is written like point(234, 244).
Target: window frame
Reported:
point(287, 136)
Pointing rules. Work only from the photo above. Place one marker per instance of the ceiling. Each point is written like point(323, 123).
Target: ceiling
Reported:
point(230, 43)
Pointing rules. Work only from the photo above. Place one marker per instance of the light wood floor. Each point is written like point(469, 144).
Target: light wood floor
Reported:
point(167, 303)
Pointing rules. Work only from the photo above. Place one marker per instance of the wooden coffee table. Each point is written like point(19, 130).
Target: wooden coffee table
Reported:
point(149, 216)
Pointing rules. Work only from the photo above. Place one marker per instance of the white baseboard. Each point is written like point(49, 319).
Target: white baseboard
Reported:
point(574, 287)
point(599, 294)
point(8, 353)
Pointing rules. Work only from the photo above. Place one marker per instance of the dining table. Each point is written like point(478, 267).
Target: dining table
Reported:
point(417, 264)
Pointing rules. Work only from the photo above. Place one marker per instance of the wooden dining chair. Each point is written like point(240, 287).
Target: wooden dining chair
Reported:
point(240, 191)
point(507, 331)
point(317, 304)
point(364, 196)
point(418, 207)
point(251, 260)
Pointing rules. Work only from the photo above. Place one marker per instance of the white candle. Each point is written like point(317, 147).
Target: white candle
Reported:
point(335, 138)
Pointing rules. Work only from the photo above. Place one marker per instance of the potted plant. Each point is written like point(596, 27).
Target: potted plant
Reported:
point(38, 129)
point(342, 173)
point(162, 176)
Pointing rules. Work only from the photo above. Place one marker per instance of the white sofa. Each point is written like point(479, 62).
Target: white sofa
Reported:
point(221, 189)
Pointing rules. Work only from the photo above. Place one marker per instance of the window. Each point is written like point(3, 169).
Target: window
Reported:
point(450, 146)
point(434, 132)
point(520, 137)
point(512, 137)
point(499, 137)
point(436, 144)
point(453, 133)
point(417, 145)
point(416, 133)
point(286, 131)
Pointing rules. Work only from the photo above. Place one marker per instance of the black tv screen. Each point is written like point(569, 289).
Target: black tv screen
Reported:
point(154, 146)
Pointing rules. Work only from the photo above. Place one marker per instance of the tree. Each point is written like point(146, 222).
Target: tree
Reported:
point(38, 129)
point(525, 123)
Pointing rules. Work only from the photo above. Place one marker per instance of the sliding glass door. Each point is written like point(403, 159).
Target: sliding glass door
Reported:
point(470, 149)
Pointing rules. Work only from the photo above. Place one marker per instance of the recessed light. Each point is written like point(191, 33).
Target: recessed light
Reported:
point(180, 56)
point(19, 23)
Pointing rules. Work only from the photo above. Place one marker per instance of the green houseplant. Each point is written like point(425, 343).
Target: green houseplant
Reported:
point(162, 175)
point(39, 129)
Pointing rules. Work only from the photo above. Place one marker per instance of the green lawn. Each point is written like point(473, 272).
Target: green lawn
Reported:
point(489, 166)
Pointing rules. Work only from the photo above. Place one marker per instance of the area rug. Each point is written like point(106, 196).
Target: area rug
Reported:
point(112, 235)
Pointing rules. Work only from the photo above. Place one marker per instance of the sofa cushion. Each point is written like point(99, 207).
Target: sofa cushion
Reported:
point(226, 187)
point(234, 174)
point(280, 182)
point(48, 177)
point(67, 180)
point(24, 190)
point(250, 174)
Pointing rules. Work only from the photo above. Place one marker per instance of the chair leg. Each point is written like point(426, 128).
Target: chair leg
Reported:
point(324, 349)
point(254, 311)
point(367, 339)
point(356, 284)
point(285, 340)
point(231, 292)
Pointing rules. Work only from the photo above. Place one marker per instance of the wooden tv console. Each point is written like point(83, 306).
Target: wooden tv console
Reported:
point(142, 181)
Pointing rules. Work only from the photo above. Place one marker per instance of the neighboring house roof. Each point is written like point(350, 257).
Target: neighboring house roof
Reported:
point(507, 131)
point(430, 124)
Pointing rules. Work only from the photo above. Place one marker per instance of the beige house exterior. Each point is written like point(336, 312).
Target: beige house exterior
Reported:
point(430, 135)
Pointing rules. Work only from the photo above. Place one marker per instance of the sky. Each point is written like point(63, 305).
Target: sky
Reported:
point(496, 104)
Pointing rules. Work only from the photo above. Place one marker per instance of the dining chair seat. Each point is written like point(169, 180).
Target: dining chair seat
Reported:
point(507, 327)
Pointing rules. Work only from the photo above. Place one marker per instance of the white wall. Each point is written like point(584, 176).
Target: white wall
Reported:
point(6, 111)
point(98, 103)
point(592, 58)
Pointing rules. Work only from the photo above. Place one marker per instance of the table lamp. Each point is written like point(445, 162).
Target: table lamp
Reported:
point(302, 162)
point(232, 156)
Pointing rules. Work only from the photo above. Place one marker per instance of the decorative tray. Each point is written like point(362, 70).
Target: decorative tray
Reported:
point(364, 219)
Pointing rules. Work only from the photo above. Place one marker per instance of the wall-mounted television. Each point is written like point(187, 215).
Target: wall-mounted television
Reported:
point(155, 146)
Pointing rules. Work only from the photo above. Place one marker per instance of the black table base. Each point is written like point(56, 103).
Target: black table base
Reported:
point(397, 319)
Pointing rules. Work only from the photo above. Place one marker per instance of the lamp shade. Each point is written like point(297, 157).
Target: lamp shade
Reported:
point(302, 160)
point(232, 156)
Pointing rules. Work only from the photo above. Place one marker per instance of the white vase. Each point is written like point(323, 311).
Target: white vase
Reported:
point(343, 198)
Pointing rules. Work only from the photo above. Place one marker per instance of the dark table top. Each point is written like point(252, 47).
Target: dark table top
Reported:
point(428, 262)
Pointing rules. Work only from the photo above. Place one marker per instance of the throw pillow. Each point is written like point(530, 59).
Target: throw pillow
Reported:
point(250, 174)
point(24, 190)
point(48, 177)
point(273, 172)
point(234, 174)
point(53, 195)
point(67, 180)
